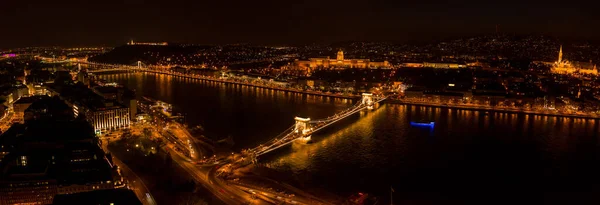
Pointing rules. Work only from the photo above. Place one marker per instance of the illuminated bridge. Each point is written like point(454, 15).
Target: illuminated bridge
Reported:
point(301, 130)
point(103, 67)
point(304, 127)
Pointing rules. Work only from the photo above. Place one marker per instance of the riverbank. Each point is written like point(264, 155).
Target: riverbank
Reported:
point(228, 81)
point(262, 178)
point(494, 109)
point(168, 183)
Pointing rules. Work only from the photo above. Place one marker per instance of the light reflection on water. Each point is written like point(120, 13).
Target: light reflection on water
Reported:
point(469, 155)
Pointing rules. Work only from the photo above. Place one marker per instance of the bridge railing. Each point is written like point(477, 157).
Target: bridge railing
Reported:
point(278, 139)
point(334, 117)
point(291, 136)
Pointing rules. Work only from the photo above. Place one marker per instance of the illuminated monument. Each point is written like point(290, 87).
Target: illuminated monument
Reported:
point(565, 67)
point(339, 62)
point(132, 43)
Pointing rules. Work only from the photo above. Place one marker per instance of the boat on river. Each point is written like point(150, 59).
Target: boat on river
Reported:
point(422, 124)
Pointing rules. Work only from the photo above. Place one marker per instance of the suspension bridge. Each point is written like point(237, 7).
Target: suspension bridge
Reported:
point(304, 127)
point(301, 130)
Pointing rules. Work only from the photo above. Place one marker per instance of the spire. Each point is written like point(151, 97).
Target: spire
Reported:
point(340, 55)
point(560, 54)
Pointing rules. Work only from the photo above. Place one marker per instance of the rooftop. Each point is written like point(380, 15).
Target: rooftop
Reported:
point(106, 89)
point(83, 96)
point(27, 100)
point(101, 197)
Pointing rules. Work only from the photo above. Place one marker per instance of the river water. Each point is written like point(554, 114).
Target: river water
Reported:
point(468, 157)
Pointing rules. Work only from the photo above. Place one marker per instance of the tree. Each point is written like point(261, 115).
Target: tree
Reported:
point(147, 132)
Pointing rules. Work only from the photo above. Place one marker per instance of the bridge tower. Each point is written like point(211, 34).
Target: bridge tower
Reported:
point(302, 126)
point(367, 100)
point(253, 159)
point(224, 75)
point(139, 64)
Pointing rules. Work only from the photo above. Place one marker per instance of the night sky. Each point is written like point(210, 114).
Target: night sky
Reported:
point(276, 22)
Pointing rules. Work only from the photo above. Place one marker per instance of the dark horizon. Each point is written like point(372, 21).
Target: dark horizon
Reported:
point(112, 23)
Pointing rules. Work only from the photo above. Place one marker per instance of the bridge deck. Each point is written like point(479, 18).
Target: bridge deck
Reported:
point(286, 137)
point(290, 135)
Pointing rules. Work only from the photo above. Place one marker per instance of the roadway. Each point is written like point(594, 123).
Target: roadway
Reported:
point(507, 109)
point(206, 175)
point(7, 121)
point(291, 134)
point(233, 80)
point(228, 192)
point(177, 139)
point(135, 183)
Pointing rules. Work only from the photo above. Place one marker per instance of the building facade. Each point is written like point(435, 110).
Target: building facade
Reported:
point(444, 65)
point(566, 67)
point(107, 119)
point(31, 191)
point(104, 114)
point(339, 62)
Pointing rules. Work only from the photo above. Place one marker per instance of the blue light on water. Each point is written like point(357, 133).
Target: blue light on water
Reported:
point(422, 124)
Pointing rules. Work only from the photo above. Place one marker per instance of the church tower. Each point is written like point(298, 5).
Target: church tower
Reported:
point(560, 54)
point(340, 55)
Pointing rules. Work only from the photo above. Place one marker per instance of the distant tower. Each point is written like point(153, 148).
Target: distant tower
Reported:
point(560, 54)
point(25, 76)
point(131, 42)
point(340, 55)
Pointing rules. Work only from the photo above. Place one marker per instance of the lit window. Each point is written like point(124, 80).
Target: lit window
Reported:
point(23, 160)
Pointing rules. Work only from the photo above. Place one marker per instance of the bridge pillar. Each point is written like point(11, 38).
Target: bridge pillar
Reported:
point(139, 64)
point(253, 159)
point(367, 100)
point(302, 126)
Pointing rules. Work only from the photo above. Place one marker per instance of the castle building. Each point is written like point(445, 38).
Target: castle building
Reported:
point(132, 43)
point(339, 62)
point(565, 67)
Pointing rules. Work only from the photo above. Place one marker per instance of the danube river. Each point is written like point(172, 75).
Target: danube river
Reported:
point(469, 157)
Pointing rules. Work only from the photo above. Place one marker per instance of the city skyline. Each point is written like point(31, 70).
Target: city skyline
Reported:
point(307, 102)
point(69, 23)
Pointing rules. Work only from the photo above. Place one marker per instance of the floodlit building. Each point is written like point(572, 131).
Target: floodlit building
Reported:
point(566, 67)
point(104, 112)
point(443, 65)
point(339, 62)
point(132, 43)
point(121, 95)
point(107, 117)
